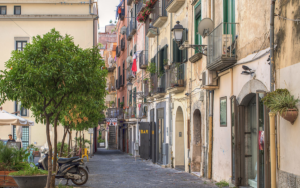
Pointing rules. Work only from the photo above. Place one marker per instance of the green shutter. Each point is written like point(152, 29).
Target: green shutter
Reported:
point(161, 60)
point(184, 52)
point(198, 17)
point(134, 94)
point(176, 53)
point(130, 98)
point(165, 52)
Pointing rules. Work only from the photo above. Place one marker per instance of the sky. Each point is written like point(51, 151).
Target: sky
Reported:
point(107, 12)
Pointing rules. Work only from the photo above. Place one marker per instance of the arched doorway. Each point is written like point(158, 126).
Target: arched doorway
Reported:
point(179, 140)
point(196, 143)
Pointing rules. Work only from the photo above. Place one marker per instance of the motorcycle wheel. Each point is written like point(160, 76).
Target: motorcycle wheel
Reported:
point(84, 177)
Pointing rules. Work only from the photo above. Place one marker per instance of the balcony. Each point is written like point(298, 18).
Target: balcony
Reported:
point(174, 5)
point(129, 37)
point(143, 59)
point(115, 113)
point(147, 92)
point(129, 74)
point(112, 84)
point(122, 14)
point(142, 111)
point(221, 51)
point(158, 85)
point(123, 44)
point(112, 68)
point(150, 32)
point(118, 51)
point(160, 15)
point(129, 2)
point(177, 78)
point(140, 6)
point(132, 26)
point(121, 83)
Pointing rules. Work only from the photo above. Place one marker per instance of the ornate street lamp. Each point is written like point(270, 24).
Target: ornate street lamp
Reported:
point(129, 86)
point(177, 32)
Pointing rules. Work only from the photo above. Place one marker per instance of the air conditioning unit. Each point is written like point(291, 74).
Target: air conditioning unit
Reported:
point(209, 78)
point(226, 42)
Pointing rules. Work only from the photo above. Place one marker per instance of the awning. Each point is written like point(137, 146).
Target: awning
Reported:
point(11, 119)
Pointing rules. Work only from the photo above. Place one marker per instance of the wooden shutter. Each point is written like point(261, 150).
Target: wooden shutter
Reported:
point(130, 98)
point(161, 60)
point(176, 53)
point(165, 52)
point(184, 52)
point(134, 95)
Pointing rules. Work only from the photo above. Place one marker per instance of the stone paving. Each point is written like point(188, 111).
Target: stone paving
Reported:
point(112, 168)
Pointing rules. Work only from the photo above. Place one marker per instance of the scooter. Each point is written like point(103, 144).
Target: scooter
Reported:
point(68, 168)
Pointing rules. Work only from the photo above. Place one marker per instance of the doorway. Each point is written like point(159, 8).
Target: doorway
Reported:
point(161, 132)
point(196, 144)
point(179, 140)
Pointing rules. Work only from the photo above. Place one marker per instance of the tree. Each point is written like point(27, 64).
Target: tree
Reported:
point(49, 75)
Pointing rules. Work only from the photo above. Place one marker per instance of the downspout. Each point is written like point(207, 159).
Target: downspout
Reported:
point(170, 109)
point(210, 135)
point(272, 115)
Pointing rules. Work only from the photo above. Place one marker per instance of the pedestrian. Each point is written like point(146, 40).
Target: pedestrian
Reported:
point(10, 138)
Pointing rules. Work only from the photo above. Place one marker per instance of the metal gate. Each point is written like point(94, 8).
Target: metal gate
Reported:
point(153, 136)
point(144, 148)
point(112, 138)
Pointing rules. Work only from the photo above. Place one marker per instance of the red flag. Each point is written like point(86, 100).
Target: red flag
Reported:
point(134, 68)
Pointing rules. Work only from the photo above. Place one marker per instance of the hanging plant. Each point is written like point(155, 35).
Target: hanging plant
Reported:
point(282, 102)
point(146, 11)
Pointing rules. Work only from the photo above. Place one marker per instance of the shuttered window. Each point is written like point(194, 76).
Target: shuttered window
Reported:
point(198, 17)
point(229, 17)
point(130, 97)
point(185, 51)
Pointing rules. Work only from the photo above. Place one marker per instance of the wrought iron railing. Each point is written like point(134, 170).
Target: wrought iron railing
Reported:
point(123, 44)
point(146, 88)
point(177, 75)
point(159, 10)
point(115, 113)
point(221, 43)
point(153, 86)
point(132, 26)
point(142, 111)
point(129, 36)
point(143, 62)
point(161, 83)
point(112, 84)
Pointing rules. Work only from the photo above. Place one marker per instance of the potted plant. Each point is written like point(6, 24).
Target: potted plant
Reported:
point(121, 104)
point(30, 177)
point(133, 115)
point(166, 64)
point(151, 68)
point(35, 149)
point(282, 102)
point(11, 160)
point(112, 104)
point(145, 80)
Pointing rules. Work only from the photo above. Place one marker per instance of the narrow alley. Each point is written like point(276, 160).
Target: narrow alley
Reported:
point(112, 168)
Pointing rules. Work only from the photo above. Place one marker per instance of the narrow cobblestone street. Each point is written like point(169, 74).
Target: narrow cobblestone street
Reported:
point(112, 168)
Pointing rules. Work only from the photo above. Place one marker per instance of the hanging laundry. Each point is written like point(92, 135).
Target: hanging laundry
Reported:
point(140, 106)
point(134, 68)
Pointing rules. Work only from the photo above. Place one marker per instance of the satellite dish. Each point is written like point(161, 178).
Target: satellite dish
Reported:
point(205, 27)
point(129, 59)
point(123, 30)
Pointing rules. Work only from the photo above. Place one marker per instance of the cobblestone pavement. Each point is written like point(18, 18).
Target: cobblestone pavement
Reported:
point(112, 168)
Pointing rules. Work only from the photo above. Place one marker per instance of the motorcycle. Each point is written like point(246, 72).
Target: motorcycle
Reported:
point(68, 168)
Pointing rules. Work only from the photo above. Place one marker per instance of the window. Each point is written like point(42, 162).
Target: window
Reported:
point(229, 17)
point(17, 10)
point(118, 102)
point(223, 112)
point(18, 107)
point(2, 10)
point(20, 45)
point(123, 73)
point(24, 137)
point(163, 57)
point(198, 38)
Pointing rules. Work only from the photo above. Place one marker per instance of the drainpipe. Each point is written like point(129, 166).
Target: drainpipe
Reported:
point(272, 149)
point(272, 115)
point(210, 135)
point(170, 109)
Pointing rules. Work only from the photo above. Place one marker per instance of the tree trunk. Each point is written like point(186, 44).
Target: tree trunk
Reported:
point(55, 151)
point(49, 152)
point(69, 142)
point(75, 148)
point(63, 141)
point(80, 153)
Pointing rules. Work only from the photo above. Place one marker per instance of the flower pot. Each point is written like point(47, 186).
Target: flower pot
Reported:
point(37, 181)
point(7, 181)
point(132, 116)
point(36, 153)
point(290, 115)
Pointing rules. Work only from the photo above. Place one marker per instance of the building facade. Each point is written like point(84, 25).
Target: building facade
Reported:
point(22, 20)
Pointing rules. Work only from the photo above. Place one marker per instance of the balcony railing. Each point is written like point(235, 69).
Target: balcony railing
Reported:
point(159, 13)
point(129, 36)
point(158, 84)
point(115, 113)
point(132, 26)
point(129, 74)
point(121, 83)
point(173, 6)
point(143, 59)
point(221, 51)
point(123, 44)
point(140, 6)
point(146, 88)
point(118, 51)
point(177, 76)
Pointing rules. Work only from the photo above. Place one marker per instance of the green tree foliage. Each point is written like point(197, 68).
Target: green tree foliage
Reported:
point(52, 74)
